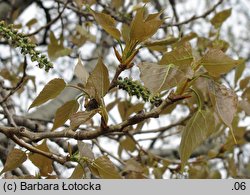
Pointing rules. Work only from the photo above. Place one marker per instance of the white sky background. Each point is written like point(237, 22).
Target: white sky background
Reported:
point(237, 23)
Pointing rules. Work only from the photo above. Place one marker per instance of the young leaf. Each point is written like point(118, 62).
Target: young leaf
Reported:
point(98, 81)
point(128, 144)
point(217, 63)
point(199, 127)
point(158, 78)
point(225, 102)
point(126, 108)
point(80, 72)
point(56, 48)
point(221, 17)
point(134, 170)
point(185, 38)
point(106, 168)
point(246, 94)
point(85, 150)
point(85, 34)
point(31, 22)
point(15, 158)
point(107, 23)
point(143, 28)
point(245, 105)
point(79, 118)
point(125, 32)
point(50, 91)
point(238, 72)
point(43, 163)
point(181, 56)
point(245, 82)
point(64, 112)
point(78, 172)
point(162, 42)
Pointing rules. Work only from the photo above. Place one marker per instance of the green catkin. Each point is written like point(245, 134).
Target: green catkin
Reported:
point(24, 43)
point(136, 89)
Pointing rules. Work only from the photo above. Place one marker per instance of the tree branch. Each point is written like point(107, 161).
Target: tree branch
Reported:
point(86, 135)
point(194, 17)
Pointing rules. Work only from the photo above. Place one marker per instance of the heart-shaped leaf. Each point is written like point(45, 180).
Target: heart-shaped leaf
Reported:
point(216, 62)
point(199, 127)
point(225, 102)
point(180, 56)
point(158, 77)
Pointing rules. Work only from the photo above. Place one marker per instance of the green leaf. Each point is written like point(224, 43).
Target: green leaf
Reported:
point(107, 23)
point(98, 82)
point(160, 45)
point(112, 104)
point(246, 94)
point(43, 163)
point(162, 42)
point(80, 72)
point(126, 108)
point(85, 150)
point(50, 91)
point(245, 82)
point(64, 112)
point(128, 144)
point(117, 4)
point(220, 44)
point(93, 170)
point(106, 168)
point(8, 75)
point(221, 17)
point(80, 118)
point(199, 127)
point(31, 22)
point(158, 78)
point(78, 172)
point(14, 159)
point(159, 171)
point(85, 33)
point(199, 171)
point(180, 56)
point(82, 35)
point(144, 28)
point(245, 105)
point(135, 170)
point(56, 48)
point(238, 72)
point(125, 32)
point(225, 102)
point(216, 62)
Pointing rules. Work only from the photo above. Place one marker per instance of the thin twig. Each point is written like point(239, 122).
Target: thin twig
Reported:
point(194, 17)
point(51, 22)
point(108, 153)
point(18, 85)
